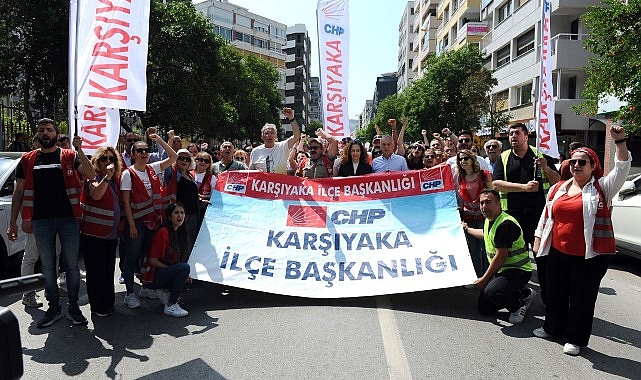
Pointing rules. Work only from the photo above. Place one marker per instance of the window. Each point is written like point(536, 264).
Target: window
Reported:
point(505, 11)
point(238, 36)
point(278, 32)
point(260, 43)
point(411, 46)
point(572, 88)
point(259, 26)
point(411, 63)
point(503, 56)
point(223, 15)
point(524, 94)
point(525, 43)
point(243, 21)
point(500, 100)
point(225, 33)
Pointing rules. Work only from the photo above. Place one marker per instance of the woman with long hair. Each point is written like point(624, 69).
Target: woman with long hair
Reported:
point(206, 181)
point(415, 157)
point(355, 161)
point(99, 226)
point(575, 233)
point(470, 181)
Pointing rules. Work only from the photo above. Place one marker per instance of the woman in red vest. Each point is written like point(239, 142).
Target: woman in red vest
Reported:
point(575, 233)
point(206, 180)
point(101, 212)
point(470, 180)
point(142, 206)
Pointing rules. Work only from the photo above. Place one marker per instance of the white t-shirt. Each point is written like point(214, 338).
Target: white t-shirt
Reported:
point(125, 177)
point(278, 155)
point(199, 179)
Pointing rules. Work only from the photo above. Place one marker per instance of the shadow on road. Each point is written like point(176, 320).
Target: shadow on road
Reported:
point(193, 369)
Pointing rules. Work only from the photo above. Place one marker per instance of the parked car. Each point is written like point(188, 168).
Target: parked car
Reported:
point(10, 251)
point(626, 213)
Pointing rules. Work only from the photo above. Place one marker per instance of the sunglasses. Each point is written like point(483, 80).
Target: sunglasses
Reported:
point(314, 147)
point(107, 158)
point(132, 140)
point(205, 160)
point(429, 156)
point(581, 162)
point(239, 158)
point(184, 159)
point(464, 158)
point(464, 140)
point(377, 153)
point(492, 146)
point(141, 150)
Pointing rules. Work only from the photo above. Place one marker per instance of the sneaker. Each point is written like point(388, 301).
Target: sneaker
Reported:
point(76, 317)
point(50, 317)
point(62, 279)
point(31, 299)
point(571, 349)
point(147, 293)
point(101, 314)
point(83, 274)
point(162, 295)
point(175, 311)
point(541, 333)
point(121, 280)
point(519, 315)
point(132, 301)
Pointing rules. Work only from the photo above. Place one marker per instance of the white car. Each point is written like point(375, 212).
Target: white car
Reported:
point(10, 251)
point(626, 213)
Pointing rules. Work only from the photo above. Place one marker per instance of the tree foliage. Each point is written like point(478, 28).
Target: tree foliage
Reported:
point(615, 68)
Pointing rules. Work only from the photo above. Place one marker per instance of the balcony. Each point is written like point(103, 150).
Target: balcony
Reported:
point(472, 29)
point(567, 51)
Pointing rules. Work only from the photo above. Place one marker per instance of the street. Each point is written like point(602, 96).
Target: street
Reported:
point(237, 334)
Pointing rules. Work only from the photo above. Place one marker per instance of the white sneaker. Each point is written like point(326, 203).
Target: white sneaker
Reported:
point(571, 349)
point(147, 293)
point(175, 310)
point(519, 315)
point(132, 301)
point(162, 295)
point(62, 279)
point(541, 333)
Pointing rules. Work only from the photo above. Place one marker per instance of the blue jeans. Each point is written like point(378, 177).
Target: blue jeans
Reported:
point(68, 231)
point(173, 278)
point(133, 250)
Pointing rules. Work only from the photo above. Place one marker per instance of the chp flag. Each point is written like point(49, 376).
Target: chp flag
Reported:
point(332, 17)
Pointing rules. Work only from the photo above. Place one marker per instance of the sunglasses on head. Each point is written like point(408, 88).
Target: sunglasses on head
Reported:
point(205, 160)
point(142, 150)
point(579, 161)
point(184, 159)
point(111, 159)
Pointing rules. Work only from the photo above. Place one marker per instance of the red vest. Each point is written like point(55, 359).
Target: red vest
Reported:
point(72, 181)
point(98, 215)
point(143, 207)
point(603, 234)
point(205, 186)
point(471, 206)
point(170, 189)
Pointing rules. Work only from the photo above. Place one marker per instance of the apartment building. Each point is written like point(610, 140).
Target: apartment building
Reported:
point(406, 51)
point(297, 75)
point(512, 46)
point(460, 24)
point(315, 100)
point(425, 26)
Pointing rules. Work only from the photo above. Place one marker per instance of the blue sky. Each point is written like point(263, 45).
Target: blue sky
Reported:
point(373, 41)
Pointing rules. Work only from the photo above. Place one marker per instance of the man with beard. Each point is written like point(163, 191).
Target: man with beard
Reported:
point(319, 164)
point(466, 141)
point(48, 192)
point(271, 157)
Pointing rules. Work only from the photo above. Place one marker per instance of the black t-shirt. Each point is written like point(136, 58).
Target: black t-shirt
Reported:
point(521, 170)
point(187, 194)
point(506, 234)
point(50, 196)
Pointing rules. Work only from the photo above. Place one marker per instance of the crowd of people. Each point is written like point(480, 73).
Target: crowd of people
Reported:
point(149, 207)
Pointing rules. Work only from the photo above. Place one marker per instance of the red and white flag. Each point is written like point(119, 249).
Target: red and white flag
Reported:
point(98, 127)
point(546, 129)
point(332, 17)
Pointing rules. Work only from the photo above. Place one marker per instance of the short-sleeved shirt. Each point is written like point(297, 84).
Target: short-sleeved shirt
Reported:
point(125, 177)
point(277, 157)
point(506, 234)
point(219, 167)
point(394, 163)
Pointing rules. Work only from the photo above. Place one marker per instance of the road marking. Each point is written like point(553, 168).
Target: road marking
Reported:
point(397, 364)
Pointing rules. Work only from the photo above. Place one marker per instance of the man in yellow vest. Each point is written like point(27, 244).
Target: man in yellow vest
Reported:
point(522, 193)
point(503, 283)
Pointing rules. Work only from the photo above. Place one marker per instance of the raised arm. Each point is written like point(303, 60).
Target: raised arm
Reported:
point(171, 153)
point(289, 114)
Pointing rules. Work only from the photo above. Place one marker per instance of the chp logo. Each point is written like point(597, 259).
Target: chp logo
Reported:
point(431, 180)
point(306, 216)
point(236, 182)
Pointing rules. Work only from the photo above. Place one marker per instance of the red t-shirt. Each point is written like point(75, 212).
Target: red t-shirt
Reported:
point(567, 232)
point(159, 245)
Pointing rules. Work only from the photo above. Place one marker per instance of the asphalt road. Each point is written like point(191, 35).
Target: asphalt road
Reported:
point(237, 334)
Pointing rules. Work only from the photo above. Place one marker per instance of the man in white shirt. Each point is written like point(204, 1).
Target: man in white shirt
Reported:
point(465, 141)
point(271, 156)
point(388, 161)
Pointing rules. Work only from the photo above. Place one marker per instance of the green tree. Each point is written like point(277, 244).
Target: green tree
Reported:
point(615, 68)
point(310, 129)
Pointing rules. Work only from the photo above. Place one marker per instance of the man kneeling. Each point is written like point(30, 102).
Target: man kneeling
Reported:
point(503, 284)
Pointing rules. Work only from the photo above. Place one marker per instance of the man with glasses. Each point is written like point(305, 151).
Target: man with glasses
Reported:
point(227, 161)
point(319, 164)
point(466, 141)
point(271, 156)
point(493, 149)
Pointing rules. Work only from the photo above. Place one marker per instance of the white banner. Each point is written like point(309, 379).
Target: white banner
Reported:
point(332, 17)
point(333, 237)
point(546, 129)
point(98, 127)
point(111, 56)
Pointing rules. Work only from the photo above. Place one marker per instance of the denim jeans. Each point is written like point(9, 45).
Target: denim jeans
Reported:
point(173, 278)
point(133, 251)
point(68, 231)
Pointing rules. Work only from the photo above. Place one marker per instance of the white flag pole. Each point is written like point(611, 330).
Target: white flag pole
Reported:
point(71, 106)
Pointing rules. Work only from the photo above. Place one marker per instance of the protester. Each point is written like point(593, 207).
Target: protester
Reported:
point(240, 156)
point(493, 149)
point(47, 190)
point(206, 181)
point(415, 157)
point(470, 181)
point(99, 226)
point(564, 168)
point(142, 205)
point(19, 143)
point(320, 163)
point(466, 141)
point(575, 234)
point(510, 269)
point(271, 157)
point(356, 162)
point(193, 149)
point(429, 158)
point(388, 161)
point(167, 260)
point(227, 161)
point(63, 141)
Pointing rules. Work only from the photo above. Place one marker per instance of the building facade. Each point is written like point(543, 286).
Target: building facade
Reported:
point(460, 24)
point(425, 25)
point(315, 100)
point(406, 51)
point(297, 76)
